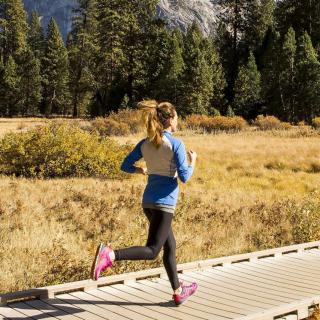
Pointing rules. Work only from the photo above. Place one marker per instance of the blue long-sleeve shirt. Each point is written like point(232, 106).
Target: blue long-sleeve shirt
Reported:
point(164, 166)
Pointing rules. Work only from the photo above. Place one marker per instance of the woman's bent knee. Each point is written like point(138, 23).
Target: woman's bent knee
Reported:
point(154, 252)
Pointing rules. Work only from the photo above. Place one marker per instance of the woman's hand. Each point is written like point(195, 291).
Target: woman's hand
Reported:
point(143, 171)
point(192, 157)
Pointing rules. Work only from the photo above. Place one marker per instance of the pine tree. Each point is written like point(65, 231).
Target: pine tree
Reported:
point(13, 28)
point(230, 112)
point(223, 43)
point(168, 85)
point(2, 89)
point(259, 17)
point(158, 57)
point(124, 47)
point(248, 89)
point(218, 77)
point(109, 30)
point(140, 19)
point(270, 74)
point(307, 80)
point(81, 51)
point(231, 27)
point(55, 73)
point(36, 38)
point(197, 78)
point(215, 112)
point(10, 91)
point(287, 74)
point(301, 16)
point(30, 83)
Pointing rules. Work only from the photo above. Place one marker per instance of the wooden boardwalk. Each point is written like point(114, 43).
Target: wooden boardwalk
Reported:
point(282, 283)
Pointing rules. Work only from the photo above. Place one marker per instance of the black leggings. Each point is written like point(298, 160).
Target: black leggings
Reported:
point(160, 235)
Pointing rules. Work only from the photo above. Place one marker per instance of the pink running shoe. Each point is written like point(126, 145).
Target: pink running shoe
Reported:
point(101, 261)
point(187, 291)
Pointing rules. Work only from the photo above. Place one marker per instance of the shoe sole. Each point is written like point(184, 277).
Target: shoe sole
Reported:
point(95, 261)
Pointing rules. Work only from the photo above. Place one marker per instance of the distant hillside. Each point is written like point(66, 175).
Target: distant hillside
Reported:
point(178, 13)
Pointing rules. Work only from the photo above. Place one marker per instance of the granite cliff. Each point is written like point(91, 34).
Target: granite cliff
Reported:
point(178, 13)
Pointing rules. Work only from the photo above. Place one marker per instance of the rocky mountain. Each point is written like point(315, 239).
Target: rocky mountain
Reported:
point(178, 13)
point(181, 13)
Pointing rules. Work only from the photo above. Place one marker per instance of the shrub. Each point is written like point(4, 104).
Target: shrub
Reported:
point(195, 121)
point(60, 150)
point(225, 124)
point(316, 123)
point(124, 122)
point(220, 123)
point(270, 123)
point(110, 127)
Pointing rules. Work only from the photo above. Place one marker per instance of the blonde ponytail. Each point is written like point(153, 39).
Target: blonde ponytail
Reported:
point(154, 117)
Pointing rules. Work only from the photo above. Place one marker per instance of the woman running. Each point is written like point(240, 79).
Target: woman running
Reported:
point(165, 157)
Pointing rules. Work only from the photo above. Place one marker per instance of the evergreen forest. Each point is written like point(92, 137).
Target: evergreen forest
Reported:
point(262, 59)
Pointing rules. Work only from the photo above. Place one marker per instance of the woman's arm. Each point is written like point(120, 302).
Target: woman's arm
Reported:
point(185, 170)
point(129, 161)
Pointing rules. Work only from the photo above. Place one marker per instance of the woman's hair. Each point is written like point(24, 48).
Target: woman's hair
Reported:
point(154, 117)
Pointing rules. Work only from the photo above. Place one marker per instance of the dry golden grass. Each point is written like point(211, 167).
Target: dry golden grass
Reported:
point(245, 189)
point(22, 124)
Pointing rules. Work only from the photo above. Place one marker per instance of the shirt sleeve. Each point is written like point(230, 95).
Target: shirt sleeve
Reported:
point(129, 161)
point(185, 171)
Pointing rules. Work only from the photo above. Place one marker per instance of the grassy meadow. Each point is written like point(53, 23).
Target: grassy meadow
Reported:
point(250, 190)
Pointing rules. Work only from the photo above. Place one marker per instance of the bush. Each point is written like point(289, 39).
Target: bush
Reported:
point(60, 150)
point(124, 122)
point(110, 127)
point(219, 123)
point(316, 123)
point(195, 121)
point(270, 123)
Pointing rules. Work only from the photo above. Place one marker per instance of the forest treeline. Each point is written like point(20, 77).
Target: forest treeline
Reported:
point(262, 59)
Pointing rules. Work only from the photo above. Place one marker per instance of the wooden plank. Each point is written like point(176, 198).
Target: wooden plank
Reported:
point(206, 295)
point(282, 271)
point(151, 309)
point(94, 310)
point(307, 256)
point(240, 294)
point(304, 260)
point(313, 252)
point(269, 279)
point(232, 292)
point(46, 308)
point(300, 275)
point(10, 313)
point(73, 306)
point(160, 299)
point(299, 267)
point(244, 289)
point(71, 309)
point(117, 305)
point(302, 265)
point(254, 284)
point(189, 306)
point(276, 278)
point(215, 294)
point(32, 311)
point(113, 311)
point(200, 303)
